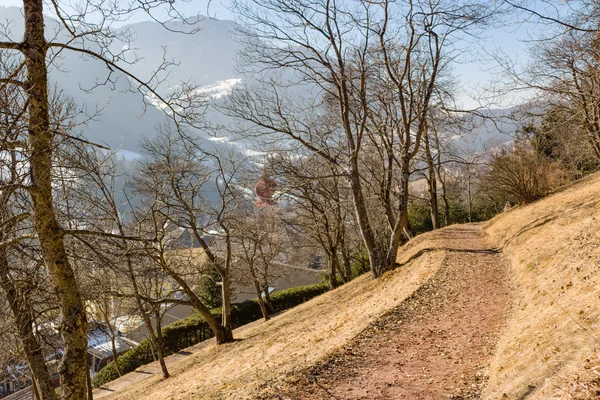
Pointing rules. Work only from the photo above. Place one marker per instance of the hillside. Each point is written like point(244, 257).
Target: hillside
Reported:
point(553, 247)
point(275, 353)
point(289, 342)
point(445, 309)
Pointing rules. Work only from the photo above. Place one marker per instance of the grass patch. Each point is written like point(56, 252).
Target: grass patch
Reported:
point(194, 329)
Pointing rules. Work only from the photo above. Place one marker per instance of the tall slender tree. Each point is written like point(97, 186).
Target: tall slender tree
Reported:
point(85, 29)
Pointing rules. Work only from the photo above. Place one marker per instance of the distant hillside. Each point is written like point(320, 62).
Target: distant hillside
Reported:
point(206, 57)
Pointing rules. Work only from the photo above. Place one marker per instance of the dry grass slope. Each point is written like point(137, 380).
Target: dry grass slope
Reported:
point(292, 341)
point(549, 348)
point(553, 246)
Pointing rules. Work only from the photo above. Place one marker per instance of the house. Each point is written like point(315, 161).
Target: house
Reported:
point(100, 347)
point(13, 378)
point(15, 381)
point(23, 394)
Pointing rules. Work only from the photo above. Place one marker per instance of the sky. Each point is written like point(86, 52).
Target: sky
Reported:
point(475, 72)
point(217, 9)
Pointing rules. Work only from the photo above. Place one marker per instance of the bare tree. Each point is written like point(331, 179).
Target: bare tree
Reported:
point(85, 29)
point(20, 300)
point(113, 242)
point(567, 70)
point(191, 189)
point(18, 248)
point(319, 207)
point(364, 59)
point(257, 244)
point(564, 71)
point(523, 175)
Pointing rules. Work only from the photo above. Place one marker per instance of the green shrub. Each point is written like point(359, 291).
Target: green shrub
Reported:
point(292, 297)
point(419, 217)
point(194, 329)
point(360, 263)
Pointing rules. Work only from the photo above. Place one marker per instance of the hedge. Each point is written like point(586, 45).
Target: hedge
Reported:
point(194, 329)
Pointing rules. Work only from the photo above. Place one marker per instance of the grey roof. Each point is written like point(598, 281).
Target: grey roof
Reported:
point(104, 350)
point(174, 312)
point(23, 394)
point(284, 277)
point(100, 344)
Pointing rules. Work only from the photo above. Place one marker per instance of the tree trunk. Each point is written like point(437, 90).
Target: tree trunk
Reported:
point(333, 262)
point(265, 285)
point(72, 368)
point(226, 309)
point(347, 264)
point(268, 301)
point(140, 306)
point(154, 341)
point(222, 334)
point(160, 345)
point(114, 352)
point(441, 175)
point(347, 271)
point(24, 321)
point(106, 313)
point(260, 299)
point(432, 185)
point(446, 204)
point(36, 391)
point(402, 218)
point(152, 345)
point(376, 256)
point(226, 290)
point(470, 198)
point(88, 378)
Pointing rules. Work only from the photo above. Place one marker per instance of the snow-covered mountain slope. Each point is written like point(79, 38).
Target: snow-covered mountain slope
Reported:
point(206, 57)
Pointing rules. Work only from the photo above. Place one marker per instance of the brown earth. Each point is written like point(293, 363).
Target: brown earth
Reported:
point(434, 345)
point(551, 345)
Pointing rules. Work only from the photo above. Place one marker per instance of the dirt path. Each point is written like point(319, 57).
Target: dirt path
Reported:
point(434, 345)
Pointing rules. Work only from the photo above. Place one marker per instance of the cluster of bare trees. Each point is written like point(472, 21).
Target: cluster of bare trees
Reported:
point(565, 70)
point(68, 240)
point(558, 139)
point(319, 209)
point(374, 72)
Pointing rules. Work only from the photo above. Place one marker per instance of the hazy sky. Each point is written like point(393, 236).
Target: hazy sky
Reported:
point(473, 72)
point(218, 8)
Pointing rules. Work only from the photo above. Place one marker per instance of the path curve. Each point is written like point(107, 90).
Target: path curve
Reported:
point(434, 345)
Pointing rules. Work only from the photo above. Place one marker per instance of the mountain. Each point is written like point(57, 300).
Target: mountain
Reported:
point(206, 56)
point(122, 116)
